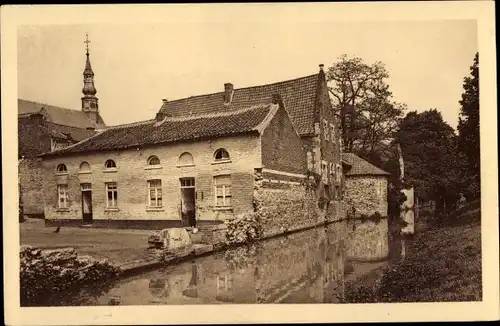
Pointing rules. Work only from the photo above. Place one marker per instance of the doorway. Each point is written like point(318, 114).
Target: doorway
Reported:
point(188, 205)
point(86, 203)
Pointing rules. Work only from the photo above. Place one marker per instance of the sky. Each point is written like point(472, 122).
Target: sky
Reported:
point(137, 65)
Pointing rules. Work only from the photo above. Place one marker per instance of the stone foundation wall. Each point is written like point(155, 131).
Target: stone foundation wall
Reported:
point(282, 210)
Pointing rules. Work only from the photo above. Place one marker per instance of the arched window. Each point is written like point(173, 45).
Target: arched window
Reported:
point(85, 166)
point(186, 159)
point(153, 160)
point(110, 164)
point(221, 155)
point(61, 168)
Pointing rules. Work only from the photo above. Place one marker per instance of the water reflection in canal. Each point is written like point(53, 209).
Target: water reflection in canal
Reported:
point(303, 267)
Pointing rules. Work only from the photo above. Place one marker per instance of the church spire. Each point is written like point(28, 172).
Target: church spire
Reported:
point(89, 100)
point(88, 74)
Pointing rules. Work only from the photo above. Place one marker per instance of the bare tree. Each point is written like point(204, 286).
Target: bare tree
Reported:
point(361, 87)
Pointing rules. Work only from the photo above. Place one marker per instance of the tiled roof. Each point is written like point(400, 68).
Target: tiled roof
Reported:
point(299, 96)
point(359, 166)
point(173, 129)
point(73, 133)
point(34, 136)
point(58, 115)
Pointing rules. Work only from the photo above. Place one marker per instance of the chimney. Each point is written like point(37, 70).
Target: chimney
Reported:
point(160, 116)
point(228, 93)
point(277, 98)
point(165, 101)
point(321, 67)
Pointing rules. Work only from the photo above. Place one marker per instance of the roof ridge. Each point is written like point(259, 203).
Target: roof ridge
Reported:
point(216, 114)
point(244, 88)
point(44, 105)
point(130, 124)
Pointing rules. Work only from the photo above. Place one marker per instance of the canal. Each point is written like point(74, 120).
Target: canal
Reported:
point(304, 267)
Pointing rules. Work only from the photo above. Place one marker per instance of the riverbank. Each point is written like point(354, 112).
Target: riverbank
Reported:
point(440, 264)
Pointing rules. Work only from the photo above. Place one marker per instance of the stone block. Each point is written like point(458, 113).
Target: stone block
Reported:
point(175, 239)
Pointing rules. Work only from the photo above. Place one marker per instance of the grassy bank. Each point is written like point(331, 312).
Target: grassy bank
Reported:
point(441, 264)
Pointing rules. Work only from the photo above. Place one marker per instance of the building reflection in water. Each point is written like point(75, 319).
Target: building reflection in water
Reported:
point(302, 267)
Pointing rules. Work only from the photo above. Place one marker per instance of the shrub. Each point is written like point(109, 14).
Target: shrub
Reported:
point(45, 273)
point(243, 228)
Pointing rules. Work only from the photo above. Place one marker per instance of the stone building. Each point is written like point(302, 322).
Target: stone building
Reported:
point(365, 186)
point(160, 172)
point(308, 104)
point(365, 195)
point(43, 128)
point(202, 156)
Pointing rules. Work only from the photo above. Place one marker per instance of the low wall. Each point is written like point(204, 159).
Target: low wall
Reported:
point(282, 210)
point(367, 240)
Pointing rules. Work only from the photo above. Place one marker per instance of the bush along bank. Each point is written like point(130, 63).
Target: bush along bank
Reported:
point(47, 273)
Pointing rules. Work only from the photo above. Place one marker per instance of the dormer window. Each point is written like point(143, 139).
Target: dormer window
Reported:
point(153, 160)
point(110, 164)
point(61, 168)
point(221, 155)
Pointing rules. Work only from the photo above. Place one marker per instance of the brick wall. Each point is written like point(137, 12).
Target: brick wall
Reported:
point(132, 174)
point(368, 194)
point(31, 183)
point(282, 146)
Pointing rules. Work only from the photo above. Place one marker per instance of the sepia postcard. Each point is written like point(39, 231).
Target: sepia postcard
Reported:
point(249, 163)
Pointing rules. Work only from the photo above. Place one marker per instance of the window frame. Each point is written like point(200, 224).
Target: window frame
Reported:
point(158, 198)
point(224, 189)
point(65, 196)
point(110, 168)
point(65, 171)
point(114, 195)
point(221, 160)
point(151, 158)
point(326, 130)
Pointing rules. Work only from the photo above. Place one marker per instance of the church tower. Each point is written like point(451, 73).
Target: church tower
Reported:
point(89, 100)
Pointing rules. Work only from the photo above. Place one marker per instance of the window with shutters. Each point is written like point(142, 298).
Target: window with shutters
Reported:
point(222, 189)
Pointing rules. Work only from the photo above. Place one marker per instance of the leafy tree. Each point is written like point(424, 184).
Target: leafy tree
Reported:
point(430, 150)
point(356, 84)
point(468, 129)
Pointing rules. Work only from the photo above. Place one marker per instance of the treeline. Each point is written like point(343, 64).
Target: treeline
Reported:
point(441, 164)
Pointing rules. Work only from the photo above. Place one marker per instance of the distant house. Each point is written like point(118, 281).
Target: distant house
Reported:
point(365, 186)
point(200, 156)
point(365, 195)
point(159, 173)
point(43, 128)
